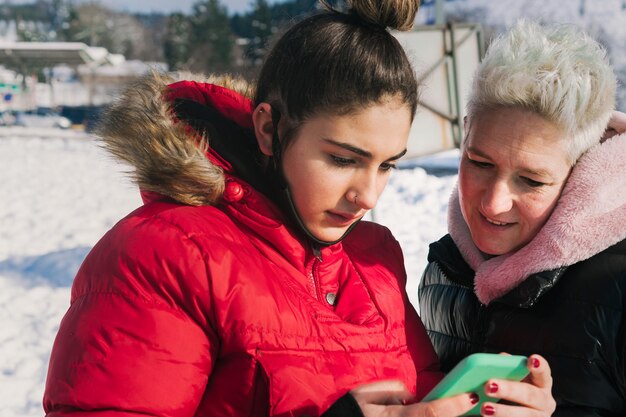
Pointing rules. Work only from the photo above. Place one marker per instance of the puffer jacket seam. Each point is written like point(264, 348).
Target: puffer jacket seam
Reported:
point(390, 348)
point(448, 335)
point(191, 238)
point(451, 284)
point(283, 334)
point(133, 298)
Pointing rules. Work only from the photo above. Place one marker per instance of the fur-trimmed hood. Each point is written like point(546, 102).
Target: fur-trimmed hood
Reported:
point(589, 217)
point(169, 157)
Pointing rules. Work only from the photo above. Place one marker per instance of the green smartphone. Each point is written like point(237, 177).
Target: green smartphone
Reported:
point(471, 374)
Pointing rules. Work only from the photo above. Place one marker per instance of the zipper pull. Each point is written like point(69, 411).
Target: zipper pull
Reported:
point(317, 252)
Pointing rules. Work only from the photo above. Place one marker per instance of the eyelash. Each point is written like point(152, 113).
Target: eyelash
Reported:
point(532, 183)
point(344, 162)
point(480, 164)
point(386, 166)
point(529, 182)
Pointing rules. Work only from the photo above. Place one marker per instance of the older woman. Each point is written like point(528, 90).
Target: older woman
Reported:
point(535, 259)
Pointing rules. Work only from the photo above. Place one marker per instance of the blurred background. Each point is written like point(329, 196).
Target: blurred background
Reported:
point(72, 56)
point(62, 62)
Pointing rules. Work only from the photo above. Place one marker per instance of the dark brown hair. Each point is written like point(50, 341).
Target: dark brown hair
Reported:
point(338, 63)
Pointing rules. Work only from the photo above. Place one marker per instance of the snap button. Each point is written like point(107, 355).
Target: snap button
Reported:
point(331, 297)
point(233, 192)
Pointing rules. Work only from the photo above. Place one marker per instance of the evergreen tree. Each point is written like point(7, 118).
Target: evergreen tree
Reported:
point(262, 30)
point(176, 41)
point(211, 39)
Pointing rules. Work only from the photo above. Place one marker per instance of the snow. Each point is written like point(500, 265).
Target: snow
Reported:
point(59, 195)
point(61, 192)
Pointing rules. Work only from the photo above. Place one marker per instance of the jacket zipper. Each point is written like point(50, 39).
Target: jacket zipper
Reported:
point(479, 341)
point(314, 275)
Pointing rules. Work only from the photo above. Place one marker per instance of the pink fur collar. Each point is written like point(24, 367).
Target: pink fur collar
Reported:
point(589, 217)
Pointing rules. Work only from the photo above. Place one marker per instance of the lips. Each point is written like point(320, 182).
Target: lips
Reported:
point(343, 218)
point(495, 222)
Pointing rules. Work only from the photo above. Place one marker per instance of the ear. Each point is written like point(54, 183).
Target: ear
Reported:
point(263, 127)
point(465, 123)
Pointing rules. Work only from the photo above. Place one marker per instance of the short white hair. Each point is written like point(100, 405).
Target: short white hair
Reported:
point(559, 73)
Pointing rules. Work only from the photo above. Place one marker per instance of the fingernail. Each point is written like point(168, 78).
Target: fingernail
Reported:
point(536, 363)
point(492, 388)
point(488, 410)
point(474, 398)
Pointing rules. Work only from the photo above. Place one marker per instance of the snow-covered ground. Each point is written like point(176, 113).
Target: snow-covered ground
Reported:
point(60, 192)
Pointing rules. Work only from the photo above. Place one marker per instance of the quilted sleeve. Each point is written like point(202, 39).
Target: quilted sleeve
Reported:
point(137, 339)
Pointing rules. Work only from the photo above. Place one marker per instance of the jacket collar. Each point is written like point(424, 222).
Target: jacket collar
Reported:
point(588, 218)
point(171, 159)
point(192, 142)
point(447, 255)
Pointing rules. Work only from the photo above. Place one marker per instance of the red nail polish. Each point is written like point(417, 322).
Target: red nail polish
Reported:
point(489, 410)
point(474, 398)
point(493, 388)
point(536, 363)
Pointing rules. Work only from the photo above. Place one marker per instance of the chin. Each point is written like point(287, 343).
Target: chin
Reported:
point(489, 248)
point(328, 235)
point(492, 252)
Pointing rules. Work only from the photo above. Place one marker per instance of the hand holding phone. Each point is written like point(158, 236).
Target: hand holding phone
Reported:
point(471, 374)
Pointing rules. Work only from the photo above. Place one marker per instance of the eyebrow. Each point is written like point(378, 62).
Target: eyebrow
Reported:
point(359, 151)
point(476, 152)
point(538, 172)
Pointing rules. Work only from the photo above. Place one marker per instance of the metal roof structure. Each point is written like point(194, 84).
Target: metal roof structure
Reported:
point(47, 54)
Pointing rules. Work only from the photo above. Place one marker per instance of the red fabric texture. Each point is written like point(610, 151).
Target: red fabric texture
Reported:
point(221, 311)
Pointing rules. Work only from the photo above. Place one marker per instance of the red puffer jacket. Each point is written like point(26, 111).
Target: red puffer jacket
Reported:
point(219, 308)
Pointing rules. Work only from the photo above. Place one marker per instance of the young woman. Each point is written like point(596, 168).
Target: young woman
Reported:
point(246, 285)
point(536, 256)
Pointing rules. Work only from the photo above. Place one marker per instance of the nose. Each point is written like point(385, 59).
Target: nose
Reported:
point(366, 190)
point(497, 198)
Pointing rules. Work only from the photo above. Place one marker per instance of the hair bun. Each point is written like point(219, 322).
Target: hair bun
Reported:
point(394, 14)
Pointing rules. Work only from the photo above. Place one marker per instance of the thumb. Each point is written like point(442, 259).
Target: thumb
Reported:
point(540, 374)
point(445, 407)
point(382, 393)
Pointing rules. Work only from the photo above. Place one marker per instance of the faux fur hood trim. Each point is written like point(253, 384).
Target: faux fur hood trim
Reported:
point(589, 217)
point(168, 157)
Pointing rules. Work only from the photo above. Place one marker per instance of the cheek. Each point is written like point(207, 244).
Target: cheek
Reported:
point(537, 210)
point(382, 183)
point(313, 187)
point(469, 185)
point(465, 197)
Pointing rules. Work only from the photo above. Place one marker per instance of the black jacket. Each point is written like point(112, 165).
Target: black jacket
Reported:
point(572, 316)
